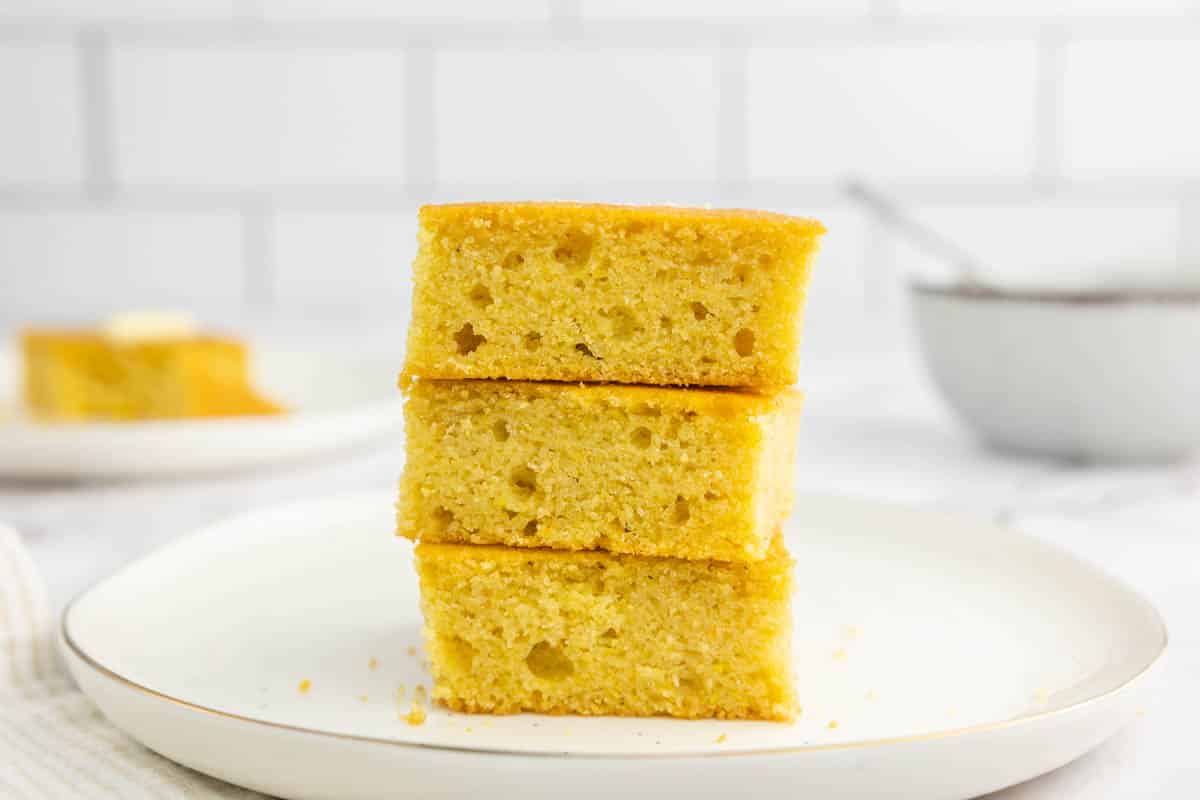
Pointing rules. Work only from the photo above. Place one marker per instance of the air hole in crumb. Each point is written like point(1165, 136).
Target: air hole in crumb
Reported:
point(508, 512)
point(442, 517)
point(765, 259)
point(548, 662)
point(642, 437)
point(689, 684)
point(480, 296)
point(574, 250)
point(624, 324)
point(500, 430)
point(711, 496)
point(647, 410)
point(531, 527)
point(460, 654)
point(707, 360)
point(467, 340)
point(579, 283)
point(533, 341)
point(665, 323)
point(610, 633)
point(743, 342)
point(682, 513)
point(699, 310)
point(513, 260)
point(740, 273)
point(524, 480)
point(587, 351)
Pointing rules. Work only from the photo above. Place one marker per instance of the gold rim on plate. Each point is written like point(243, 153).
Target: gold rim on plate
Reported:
point(70, 643)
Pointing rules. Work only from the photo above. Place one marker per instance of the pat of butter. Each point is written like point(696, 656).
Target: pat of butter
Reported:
point(138, 326)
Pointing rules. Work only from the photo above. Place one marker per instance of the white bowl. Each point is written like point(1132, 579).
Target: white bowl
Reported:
point(1112, 376)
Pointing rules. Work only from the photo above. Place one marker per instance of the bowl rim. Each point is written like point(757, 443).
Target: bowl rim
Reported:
point(1081, 298)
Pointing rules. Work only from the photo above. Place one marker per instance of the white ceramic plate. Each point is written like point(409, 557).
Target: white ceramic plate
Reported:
point(336, 401)
point(954, 657)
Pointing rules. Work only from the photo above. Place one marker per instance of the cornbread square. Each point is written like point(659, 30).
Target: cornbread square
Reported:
point(575, 292)
point(687, 473)
point(83, 375)
point(560, 632)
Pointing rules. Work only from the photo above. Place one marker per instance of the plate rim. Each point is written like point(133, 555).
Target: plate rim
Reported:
point(73, 649)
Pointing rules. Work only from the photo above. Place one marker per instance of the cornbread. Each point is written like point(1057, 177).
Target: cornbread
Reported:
point(91, 375)
point(562, 632)
point(575, 292)
point(628, 469)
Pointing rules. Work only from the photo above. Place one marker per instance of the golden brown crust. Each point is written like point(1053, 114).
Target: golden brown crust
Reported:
point(617, 212)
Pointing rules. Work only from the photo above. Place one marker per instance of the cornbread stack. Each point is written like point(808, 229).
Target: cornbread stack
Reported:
point(594, 538)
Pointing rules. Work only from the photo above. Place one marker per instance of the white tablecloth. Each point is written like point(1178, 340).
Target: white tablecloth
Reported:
point(872, 428)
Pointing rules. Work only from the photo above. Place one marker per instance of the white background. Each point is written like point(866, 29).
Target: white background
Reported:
point(264, 158)
point(260, 162)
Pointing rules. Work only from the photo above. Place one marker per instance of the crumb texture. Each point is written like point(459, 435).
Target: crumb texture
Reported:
point(627, 469)
point(79, 376)
point(595, 633)
point(655, 295)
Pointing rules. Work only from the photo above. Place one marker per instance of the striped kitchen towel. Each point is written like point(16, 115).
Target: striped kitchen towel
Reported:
point(54, 743)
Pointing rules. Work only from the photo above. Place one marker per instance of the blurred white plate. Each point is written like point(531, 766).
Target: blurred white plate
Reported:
point(955, 658)
point(335, 401)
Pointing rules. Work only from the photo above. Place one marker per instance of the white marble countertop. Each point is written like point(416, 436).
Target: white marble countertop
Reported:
point(873, 429)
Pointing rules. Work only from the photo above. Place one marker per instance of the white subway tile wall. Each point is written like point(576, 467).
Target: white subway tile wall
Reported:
point(85, 10)
point(910, 111)
point(1045, 8)
point(564, 115)
point(76, 264)
point(1047, 244)
point(444, 10)
point(343, 264)
point(41, 125)
point(268, 156)
point(720, 9)
point(1119, 115)
point(243, 116)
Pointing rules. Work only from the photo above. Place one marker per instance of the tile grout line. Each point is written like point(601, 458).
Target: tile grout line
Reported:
point(258, 256)
point(565, 21)
point(99, 146)
point(420, 126)
point(732, 122)
point(1049, 74)
point(981, 191)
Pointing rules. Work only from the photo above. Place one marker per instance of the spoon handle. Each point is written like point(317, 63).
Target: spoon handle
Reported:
point(927, 238)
